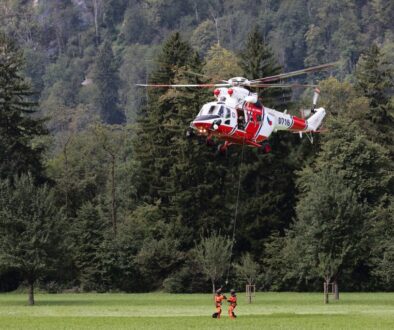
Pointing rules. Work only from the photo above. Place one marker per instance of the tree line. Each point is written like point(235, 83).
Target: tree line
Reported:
point(102, 202)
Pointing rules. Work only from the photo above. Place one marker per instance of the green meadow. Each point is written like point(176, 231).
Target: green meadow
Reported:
point(193, 311)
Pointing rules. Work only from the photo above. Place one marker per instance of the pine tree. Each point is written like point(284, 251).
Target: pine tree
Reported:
point(18, 128)
point(374, 80)
point(89, 230)
point(177, 174)
point(154, 140)
point(267, 180)
point(107, 81)
point(257, 61)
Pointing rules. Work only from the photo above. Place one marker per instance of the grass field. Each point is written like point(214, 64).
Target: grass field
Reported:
point(193, 311)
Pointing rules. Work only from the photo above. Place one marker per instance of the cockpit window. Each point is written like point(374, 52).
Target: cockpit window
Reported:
point(211, 110)
point(215, 109)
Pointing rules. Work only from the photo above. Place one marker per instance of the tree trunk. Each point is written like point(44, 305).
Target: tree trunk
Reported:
point(67, 172)
point(113, 196)
point(217, 30)
point(95, 14)
point(325, 287)
point(336, 291)
point(31, 293)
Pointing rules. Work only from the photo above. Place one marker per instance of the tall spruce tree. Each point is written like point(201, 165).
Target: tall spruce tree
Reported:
point(89, 231)
point(267, 180)
point(107, 81)
point(18, 128)
point(374, 80)
point(257, 60)
point(177, 174)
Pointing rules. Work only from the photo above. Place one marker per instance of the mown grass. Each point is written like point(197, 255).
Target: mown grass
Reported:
point(193, 311)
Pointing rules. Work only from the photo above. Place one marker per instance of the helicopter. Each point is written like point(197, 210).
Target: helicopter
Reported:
point(237, 116)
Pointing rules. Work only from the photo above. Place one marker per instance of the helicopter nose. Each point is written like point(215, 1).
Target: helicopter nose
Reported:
point(202, 126)
point(205, 123)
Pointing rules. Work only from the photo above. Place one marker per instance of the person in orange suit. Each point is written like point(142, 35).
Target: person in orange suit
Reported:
point(233, 303)
point(219, 297)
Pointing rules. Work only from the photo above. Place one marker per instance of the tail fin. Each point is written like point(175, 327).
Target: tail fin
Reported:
point(316, 119)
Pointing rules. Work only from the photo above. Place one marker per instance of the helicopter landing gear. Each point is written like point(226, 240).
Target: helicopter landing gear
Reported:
point(189, 133)
point(222, 149)
point(265, 148)
point(209, 141)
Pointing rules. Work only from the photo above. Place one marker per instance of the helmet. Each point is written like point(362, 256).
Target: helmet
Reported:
point(219, 290)
point(232, 291)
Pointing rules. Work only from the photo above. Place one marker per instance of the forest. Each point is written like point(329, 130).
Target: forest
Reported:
point(101, 191)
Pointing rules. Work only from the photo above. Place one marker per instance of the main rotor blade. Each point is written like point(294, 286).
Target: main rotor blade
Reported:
point(295, 85)
point(183, 85)
point(296, 73)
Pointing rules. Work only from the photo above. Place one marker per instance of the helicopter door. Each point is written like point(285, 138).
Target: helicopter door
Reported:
point(252, 124)
point(241, 119)
point(228, 117)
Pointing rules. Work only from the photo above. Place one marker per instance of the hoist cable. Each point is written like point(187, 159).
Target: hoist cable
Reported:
point(236, 210)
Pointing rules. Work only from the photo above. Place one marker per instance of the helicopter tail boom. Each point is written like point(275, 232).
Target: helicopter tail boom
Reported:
point(316, 119)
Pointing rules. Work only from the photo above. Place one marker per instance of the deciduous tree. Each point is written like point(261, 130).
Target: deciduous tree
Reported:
point(32, 230)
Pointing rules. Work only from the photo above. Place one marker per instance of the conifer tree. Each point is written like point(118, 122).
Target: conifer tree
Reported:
point(374, 80)
point(177, 174)
point(107, 81)
point(267, 185)
point(153, 140)
point(18, 128)
point(257, 60)
point(89, 231)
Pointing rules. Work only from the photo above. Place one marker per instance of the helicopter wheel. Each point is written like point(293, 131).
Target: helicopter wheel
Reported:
point(189, 133)
point(265, 148)
point(221, 150)
point(209, 142)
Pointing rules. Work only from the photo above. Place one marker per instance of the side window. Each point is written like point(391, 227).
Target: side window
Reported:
point(258, 118)
point(228, 113)
point(221, 112)
point(211, 110)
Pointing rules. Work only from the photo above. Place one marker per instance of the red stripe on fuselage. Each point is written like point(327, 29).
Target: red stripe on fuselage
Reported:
point(299, 124)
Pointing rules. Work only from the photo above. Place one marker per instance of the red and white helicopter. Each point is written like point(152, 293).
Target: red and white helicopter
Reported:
point(238, 117)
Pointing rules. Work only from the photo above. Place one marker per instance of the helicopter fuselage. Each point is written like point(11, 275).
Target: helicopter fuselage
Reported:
point(237, 117)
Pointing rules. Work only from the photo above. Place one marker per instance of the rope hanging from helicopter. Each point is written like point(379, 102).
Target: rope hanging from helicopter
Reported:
point(236, 211)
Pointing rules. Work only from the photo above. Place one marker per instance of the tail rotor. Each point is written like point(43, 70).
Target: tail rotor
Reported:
point(316, 95)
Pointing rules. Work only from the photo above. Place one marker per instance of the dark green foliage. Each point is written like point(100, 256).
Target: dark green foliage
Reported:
point(374, 80)
point(159, 190)
point(331, 236)
point(107, 81)
point(32, 230)
point(18, 128)
point(89, 229)
point(257, 61)
point(267, 181)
